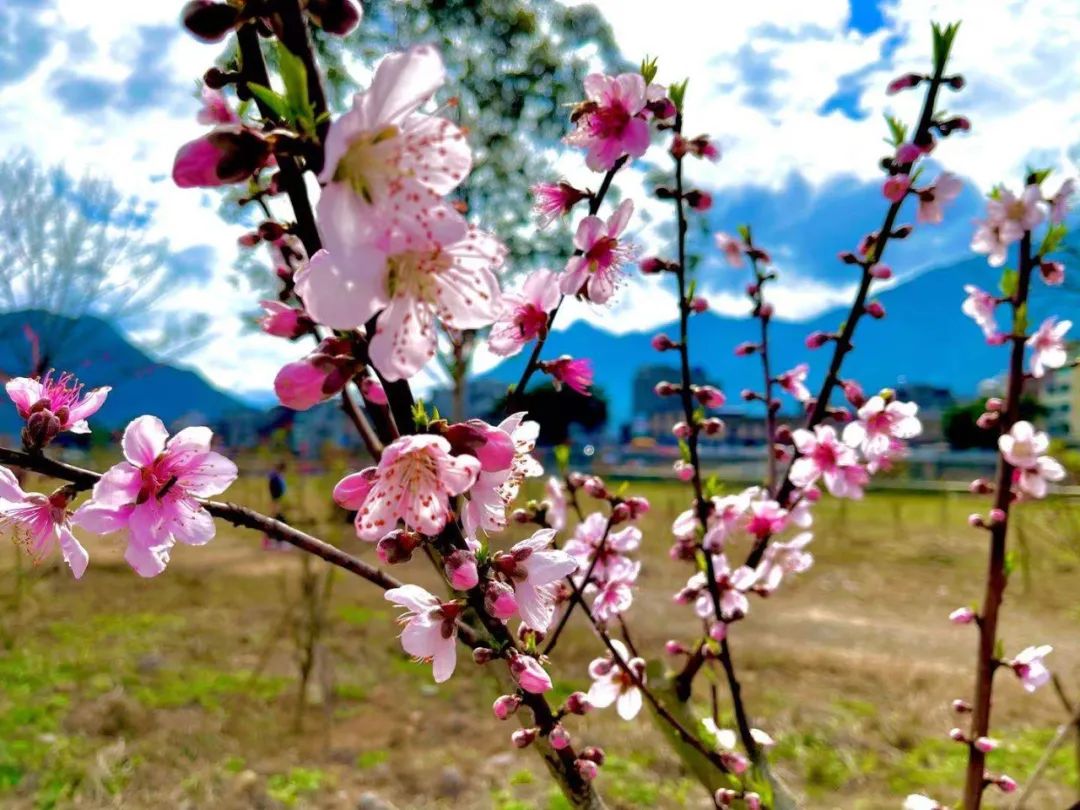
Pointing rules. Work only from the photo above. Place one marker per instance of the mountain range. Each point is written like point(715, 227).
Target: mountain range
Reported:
point(924, 338)
point(99, 354)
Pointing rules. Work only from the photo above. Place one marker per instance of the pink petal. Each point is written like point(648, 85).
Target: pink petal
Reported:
point(402, 83)
point(89, 405)
point(404, 339)
point(73, 552)
point(353, 489)
point(144, 440)
point(24, 392)
point(344, 298)
point(147, 562)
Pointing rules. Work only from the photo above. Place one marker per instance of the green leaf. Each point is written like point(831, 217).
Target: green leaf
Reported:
point(648, 69)
point(744, 233)
point(1038, 175)
point(999, 649)
point(1020, 319)
point(278, 105)
point(419, 414)
point(684, 451)
point(897, 130)
point(1010, 282)
point(677, 93)
point(1055, 235)
point(1010, 562)
point(562, 457)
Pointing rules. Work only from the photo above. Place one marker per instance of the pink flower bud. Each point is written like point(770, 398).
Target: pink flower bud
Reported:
point(995, 404)
point(499, 600)
point(875, 310)
point(372, 391)
point(957, 735)
point(559, 737)
point(460, 568)
point(745, 349)
point(815, 340)
point(1006, 784)
point(299, 385)
point(578, 703)
point(666, 389)
point(523, 737)
point(854, 394)
point(896, 187)
point(663, 343)
point(765, 311)
point(681, 430)
point(736, 763)
point(337, 17)
point(673, 647)
point(700, 305)
point(709, 396)
point(880, 271)
point(530, 674)
point(505, 705)
point(986, 420)
point(986, 744)
point(903, 83)
point(1053, 273)
point(228, 154)
point(980, 486)
point(483, 655)
point(280, 320)
point(594, 486)
point(683, 471)
point(718, 631)
point(725, 797)
point(587, 768)
point(753, 801)
point(593, 753)
point(908, 153)
point(997, 515)
point(964, 615)
point(651, 265)
point(961, 706)
point(976, 521)
point(712, 426)
point(209, 21)
point(397, 546)
point(699, 200)
point(639, 506)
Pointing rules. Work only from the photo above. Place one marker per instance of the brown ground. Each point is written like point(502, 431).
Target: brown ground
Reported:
point(181, 691)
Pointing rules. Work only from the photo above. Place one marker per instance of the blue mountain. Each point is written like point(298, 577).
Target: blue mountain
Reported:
point(923, 339)
point(98, 354)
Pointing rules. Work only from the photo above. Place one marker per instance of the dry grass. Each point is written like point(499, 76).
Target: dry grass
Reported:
point(179, 692)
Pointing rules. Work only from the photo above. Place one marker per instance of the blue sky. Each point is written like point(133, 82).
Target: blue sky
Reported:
point(792, 90)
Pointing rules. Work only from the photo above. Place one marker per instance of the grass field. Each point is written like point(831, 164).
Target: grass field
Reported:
point(182, 691)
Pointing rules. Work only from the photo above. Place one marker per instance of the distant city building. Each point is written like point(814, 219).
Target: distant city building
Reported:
point(1061, 398)
point(652, 415)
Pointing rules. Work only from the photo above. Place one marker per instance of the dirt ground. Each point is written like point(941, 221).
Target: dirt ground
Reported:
point(181, 692)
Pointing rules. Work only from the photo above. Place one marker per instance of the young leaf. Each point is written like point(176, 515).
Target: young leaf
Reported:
point(1010, 281)
point(277, 105)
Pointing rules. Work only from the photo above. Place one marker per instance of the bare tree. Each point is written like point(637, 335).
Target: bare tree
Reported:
point(72, 247)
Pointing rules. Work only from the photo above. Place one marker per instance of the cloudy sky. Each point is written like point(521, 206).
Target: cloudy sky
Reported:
point(792, 90)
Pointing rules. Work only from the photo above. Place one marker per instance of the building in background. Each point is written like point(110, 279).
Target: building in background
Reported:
point(933, 402)
point(1061, 398)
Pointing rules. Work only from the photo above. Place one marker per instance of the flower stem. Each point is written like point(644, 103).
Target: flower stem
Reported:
point(996, 578)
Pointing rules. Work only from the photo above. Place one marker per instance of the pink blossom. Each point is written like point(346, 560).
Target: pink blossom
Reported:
point(281, 320)
point(498, 484)
point(903, 83)
point(766, 518)
point(386, 168)
point(556, 504)
point(612, 684)
point(414, 282)
point(554, 200)
point(794, 382)
point(461, 572)
point(430, 632)
point(533, 568)
point(610, 122)
point(303, 384)
point(896, 187)
point(413, 482)
point(215, 109)
point(731, 247)
point(39, 523)
point(1048, 346)
point(530, 674)
point(1030, 668)
point(523, 316)
point(879, 427)
point(1014, 215)
point(908, 153)
point(980, 306)
point(823, 455)
point(732, 585)
point(593, 541)
point(575, 373)
point(1059, 203)
point(789, 557)
point(499, 600)
point(988, 240)
point(153, 496)
point(615, 594)
point(709, 396)
point(932, 200)
point(595, 271)
point(962, 615)
point(62, 397)
point(1025, 449)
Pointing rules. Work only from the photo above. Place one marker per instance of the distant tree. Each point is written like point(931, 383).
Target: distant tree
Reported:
point(959, 424)
point(72, 247)
point(556, 411)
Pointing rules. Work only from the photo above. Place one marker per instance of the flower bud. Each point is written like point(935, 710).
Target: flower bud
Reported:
point(956, 82)
point(620, 513)
point(209, 21)
point(712, 426)
point(1053, 273)
point(337, 17)
point(460, 569)
point(499, 600)
point(995, 404)
point(896, 187)
point(663, 343)
point(638, 506)
point(718, 631)
point(483, 655)
point(709, 396)
point(666, 389)
point(903, 232)
point(593, 753)
point(215, 78)
point(372, 391)
point(903, 83)
point(986, 744)
point(961, 706)
point(42, 426)
point(699, 304)
point(673, 647)
point(523, 737)
point(964, 615)
point(976, 521)
point(530, 674)
point(987, 420)
point(681, 430)
point(725, 797)
point(652, 264)
point(880, 271)
point(1005, 783)
point(698, 200)
point(683, 471)
point(908, 153)
point(815, 340)
point(594, 486)
point(753, 801)
point(559, 737)
point(578, 703)
point(227, 154)
point(854, 394)
point(875, 310)
point(997, 515)
point(397, 546)
point(735, 763)
point(281, 320)
point(745, 349)
point(505, 705)
point(847, 257)
point(980, 486)
point(587, 768)
point(957, 735)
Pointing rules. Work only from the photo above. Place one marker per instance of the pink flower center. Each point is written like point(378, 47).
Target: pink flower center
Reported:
point(530, 321)
point(370, 165)
point(609, 121)
point(824, 456)
point(602, 254)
